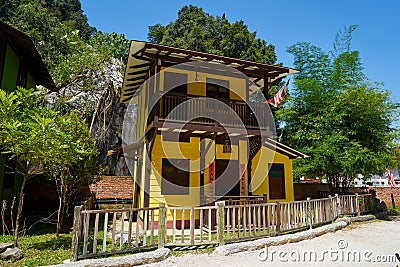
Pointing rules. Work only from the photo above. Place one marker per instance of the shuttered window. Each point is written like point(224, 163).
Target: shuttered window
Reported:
point(176, 82)
point(175, 177)
point(276, 179)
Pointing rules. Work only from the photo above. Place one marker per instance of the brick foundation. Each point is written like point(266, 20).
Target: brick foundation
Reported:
point(113, 187)
point(383, 193)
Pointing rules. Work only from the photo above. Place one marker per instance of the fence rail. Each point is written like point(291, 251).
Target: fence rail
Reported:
point(106, 232)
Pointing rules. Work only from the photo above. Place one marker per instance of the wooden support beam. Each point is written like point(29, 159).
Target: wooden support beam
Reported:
point(266, 88)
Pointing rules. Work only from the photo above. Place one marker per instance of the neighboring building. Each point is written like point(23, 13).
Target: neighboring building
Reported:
point(20, 65)
point(376, 180)
point(189, 147)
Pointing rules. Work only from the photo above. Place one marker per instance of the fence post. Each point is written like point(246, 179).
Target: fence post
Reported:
point(220, 222)
point(278, 218)
point(393, 202)
point(358, 205)
point(75, 233)
point(309, 211)
point(332, 207)
point(338, 204)
point(161, 225)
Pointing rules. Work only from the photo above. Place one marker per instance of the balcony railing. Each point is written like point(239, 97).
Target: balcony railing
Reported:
point(194, 109)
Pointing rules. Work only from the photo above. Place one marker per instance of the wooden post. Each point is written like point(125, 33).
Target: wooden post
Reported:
point(192, 226)
point(75, 233)
point(393, 203)
point(220, 222)
point(161, 225)
point(265, 198)
point(337, 205)
point(266, 89)
point(332, 208)
point(278, 218)
point(358, 205)
point(309, 212)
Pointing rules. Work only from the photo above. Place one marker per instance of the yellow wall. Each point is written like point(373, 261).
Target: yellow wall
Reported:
point(260, 173)
point(175, 150)
point(191, 151)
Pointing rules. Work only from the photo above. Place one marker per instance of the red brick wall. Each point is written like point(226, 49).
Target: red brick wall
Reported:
point(383, 193)
point(113, 187)
point(302, 191)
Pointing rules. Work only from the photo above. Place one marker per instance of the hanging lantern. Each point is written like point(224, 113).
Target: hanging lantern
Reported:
point(227, 146)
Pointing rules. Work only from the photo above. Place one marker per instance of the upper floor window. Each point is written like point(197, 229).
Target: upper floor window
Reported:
point(217, 88)
point(175, 81)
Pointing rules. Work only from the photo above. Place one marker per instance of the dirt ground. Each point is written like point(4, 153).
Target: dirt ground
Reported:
point(373, 243)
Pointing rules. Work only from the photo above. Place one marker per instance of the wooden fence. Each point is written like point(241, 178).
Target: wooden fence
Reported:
point(106, 232)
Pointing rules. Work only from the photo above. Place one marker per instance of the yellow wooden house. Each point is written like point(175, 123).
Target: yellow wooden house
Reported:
point(198, 136)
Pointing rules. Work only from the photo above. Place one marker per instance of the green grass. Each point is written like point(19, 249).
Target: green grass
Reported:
point(397, 209)
point(40, 249)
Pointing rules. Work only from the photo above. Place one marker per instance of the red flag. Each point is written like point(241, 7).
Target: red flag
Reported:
point(390, 176)
point(277, 99)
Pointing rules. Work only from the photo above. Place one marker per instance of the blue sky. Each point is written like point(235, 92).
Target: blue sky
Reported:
point(281, 23)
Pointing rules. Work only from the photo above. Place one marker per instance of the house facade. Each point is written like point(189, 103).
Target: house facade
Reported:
point(198, 136)
point(20, 65)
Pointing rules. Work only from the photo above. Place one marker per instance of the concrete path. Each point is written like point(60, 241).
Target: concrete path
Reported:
point(373, 243)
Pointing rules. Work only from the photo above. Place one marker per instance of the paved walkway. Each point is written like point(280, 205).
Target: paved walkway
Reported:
point(373, 243)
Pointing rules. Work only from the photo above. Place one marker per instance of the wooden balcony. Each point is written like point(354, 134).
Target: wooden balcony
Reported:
point(201, 111)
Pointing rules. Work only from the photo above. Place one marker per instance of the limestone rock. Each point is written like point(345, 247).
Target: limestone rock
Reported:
point(11, 253)
point(4, 246)
point(97, 94)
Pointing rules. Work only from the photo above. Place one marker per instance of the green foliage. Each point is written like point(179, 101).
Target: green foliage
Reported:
point(70, 11)
point(196, 30)
point(44, 142)
point(337, 116)
point(117, 44)
point(6, 9)
point(66, 11)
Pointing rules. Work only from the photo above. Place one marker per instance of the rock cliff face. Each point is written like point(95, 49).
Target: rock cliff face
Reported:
point(96, 95)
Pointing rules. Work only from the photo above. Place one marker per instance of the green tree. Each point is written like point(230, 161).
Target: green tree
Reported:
point(67, 11)
point(70, 11)
point(68, 45)
point(72, 159)
point(337, 116)
point(196, 30)
point(43, 142)
point(24, 128)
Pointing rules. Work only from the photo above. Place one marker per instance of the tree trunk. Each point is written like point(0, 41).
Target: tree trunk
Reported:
point(60, 204)
point(20, 205)
point(60, 208)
